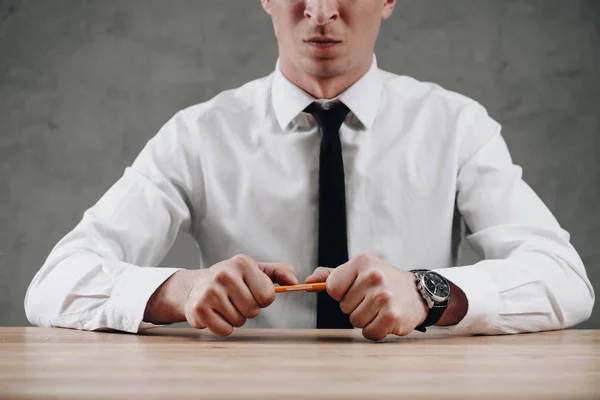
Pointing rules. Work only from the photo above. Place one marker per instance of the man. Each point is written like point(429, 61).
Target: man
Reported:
point(328, 162)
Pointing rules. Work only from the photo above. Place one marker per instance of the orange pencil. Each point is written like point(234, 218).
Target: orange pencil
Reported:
point(309, 287)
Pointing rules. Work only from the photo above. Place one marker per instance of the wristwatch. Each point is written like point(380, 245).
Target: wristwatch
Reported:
point(435, 290)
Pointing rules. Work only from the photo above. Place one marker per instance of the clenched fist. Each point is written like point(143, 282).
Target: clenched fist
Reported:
point(379, 298)
point(221, 297)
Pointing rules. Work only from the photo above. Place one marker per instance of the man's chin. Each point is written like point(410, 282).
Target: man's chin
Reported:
point(326, 67)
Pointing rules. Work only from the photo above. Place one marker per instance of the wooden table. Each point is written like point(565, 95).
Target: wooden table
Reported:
point(186, 363)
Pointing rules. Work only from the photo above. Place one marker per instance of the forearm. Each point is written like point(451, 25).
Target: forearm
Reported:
point(86, 291)
point(529, 291)
point(166, 305)
point(531, 278)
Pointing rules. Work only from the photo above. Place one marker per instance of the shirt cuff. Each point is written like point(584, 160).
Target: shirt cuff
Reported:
point(131, 294)
point(483, 298)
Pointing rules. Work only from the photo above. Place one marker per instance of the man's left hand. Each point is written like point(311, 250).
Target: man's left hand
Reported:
point(380, 298)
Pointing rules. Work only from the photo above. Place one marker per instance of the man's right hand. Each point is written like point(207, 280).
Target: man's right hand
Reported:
point(221, 297)
point(229, 292)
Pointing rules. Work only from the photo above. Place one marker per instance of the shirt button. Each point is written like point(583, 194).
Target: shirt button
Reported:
point(327, 106)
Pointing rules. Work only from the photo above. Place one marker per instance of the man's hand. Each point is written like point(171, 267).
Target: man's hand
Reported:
point(221, 297)
point(379, 298)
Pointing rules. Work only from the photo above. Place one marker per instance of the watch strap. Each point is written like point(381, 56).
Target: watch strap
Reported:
point(435, 313)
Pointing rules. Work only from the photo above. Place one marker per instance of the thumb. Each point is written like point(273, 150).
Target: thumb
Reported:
point(319, 275)
point(282, 273)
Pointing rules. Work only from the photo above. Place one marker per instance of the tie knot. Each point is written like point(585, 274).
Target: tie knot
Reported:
point(329, 116)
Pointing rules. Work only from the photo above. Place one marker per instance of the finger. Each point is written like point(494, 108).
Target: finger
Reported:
point(319, 275)
point(364, 313)
point(214, 322)
point(364, 282)
point(282, 273)
point(242, 299)
point(228, 311)
point(340, 279)
point(354, 296)
point(258, 282)
point(380, 327)
point(194, 320)
point(236, 291)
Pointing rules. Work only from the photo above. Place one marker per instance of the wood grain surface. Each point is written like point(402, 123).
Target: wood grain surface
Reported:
point(262, 364)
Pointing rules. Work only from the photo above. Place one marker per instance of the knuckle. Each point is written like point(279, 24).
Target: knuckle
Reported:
point(365, 258)
point(211, 292)
point(252, 312)
point(221, 330)
point(321, 269)
point(195, 323)
point(202, 311)
point(265, 298)
point(239, 321)
point(335, 291)
point(241, 260)
point(383, 298)
point(379, 335)
point(389, 318)
point(356, 321)
point(345, 307)
point(373, 333)
point(403, 331)
point(194, 305)
point(224, 276)
point(278, 275)
point(374, 277)
point(191, 315)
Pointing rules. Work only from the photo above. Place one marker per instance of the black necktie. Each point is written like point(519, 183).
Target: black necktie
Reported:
point(333, 243)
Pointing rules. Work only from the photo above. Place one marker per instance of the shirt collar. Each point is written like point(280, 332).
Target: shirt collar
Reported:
point(362, 98)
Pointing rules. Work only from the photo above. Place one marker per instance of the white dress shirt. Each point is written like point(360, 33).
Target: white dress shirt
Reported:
point(240, 173)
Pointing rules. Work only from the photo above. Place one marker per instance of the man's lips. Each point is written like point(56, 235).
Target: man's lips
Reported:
point(322, 42)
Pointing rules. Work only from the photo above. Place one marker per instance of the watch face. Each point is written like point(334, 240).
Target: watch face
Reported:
point(436, 285)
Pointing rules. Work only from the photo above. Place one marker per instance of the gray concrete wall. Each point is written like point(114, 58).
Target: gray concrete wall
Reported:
point(84, 84)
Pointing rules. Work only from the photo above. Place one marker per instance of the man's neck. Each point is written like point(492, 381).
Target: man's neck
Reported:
point(323, 87)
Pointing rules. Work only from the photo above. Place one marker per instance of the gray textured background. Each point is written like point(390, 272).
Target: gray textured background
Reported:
point(84, 84)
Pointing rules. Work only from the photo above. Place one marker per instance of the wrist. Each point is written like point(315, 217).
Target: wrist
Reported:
point(458, 306)
point(435, 292)
point(167, 303)
point(421, 304)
